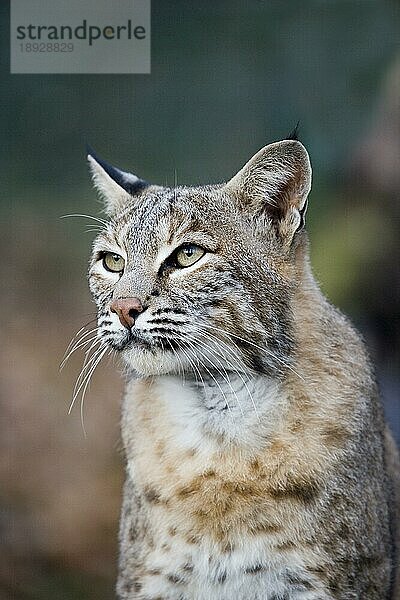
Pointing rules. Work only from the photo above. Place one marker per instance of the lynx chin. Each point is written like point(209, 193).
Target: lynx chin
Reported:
point(258, 462)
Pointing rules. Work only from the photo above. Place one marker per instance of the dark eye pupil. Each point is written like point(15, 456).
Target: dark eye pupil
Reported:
point(189, 250)
point(116, 257)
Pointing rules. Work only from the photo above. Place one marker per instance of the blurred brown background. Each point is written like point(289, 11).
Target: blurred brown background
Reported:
point(227, 77)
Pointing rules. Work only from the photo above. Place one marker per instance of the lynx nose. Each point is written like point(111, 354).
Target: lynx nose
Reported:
point(127, 310)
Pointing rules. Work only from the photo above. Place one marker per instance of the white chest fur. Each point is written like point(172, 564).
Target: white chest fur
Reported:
point(175, 436)
point(243, 411)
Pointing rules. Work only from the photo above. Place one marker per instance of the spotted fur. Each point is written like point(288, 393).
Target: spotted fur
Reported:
point(258, 462)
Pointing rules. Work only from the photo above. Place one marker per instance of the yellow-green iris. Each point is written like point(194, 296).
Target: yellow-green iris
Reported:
point(113, 262)
point(187, 255)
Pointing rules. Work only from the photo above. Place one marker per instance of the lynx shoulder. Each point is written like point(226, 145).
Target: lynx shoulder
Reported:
point(258, 463)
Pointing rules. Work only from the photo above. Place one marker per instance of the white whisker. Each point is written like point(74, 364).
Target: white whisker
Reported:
point(101, 221)
point(226, 375)
point(264, 349)
point(81, 343)
point(218, 341)
point(87, 364)
point(88, 378)
point(76, 335)
point(212, 376)
point(181, 368)
point(194, 368)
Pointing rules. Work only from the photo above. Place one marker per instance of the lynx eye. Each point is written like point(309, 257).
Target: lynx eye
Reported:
point(187, 255)
point(113, 262)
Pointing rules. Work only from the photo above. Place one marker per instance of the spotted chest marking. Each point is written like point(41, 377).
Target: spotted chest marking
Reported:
point(181, 455)
point(177, 570)
point(218, 516)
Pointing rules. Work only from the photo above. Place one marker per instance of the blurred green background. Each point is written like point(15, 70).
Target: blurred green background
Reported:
point(227, 78)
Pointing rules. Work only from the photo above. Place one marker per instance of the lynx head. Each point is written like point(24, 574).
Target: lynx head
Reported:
point(197, 278)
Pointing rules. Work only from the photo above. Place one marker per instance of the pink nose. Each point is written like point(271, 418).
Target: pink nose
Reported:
point(127, 310)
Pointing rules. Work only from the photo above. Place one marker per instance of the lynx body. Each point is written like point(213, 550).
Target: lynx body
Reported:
point(258, 463)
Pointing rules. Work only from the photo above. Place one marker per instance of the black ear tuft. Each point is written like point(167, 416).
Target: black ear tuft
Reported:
point(129, 182)
point(294, 134)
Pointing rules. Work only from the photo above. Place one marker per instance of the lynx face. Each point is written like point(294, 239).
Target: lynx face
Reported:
point(197, 279)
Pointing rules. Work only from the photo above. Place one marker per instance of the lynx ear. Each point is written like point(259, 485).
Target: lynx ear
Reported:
point(115, 187)
point(276, 181)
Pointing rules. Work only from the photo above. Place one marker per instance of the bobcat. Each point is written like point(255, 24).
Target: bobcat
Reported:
point(258, 463)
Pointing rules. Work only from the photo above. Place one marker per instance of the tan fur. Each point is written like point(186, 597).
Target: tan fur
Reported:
point(280, 486)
